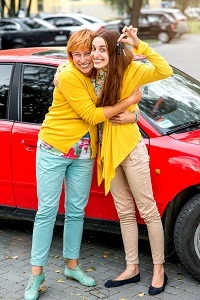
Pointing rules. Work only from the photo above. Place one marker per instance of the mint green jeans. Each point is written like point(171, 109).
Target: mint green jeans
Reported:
point(52, 171)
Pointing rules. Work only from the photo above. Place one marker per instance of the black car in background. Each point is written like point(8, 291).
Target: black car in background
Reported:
point(151, 25)
point(177, 15)
point(30, 32)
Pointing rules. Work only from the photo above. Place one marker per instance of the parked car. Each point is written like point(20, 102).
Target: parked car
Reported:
point(30, 32)
point(192, 13)
point(151, 25)
point(177, 15)
point(170, 126)
point(75, 21)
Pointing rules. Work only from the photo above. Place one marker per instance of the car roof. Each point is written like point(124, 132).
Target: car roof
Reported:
point(87, 17)
point(51, 55)
point(75, 15)
point(173, 11)
point(42, 55)
point(29, 19)
point(78, 16)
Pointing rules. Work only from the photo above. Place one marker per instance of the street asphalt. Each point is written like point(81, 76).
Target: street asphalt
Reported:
point(102, 256)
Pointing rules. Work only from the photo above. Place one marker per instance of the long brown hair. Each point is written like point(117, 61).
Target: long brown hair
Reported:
point(119, 59)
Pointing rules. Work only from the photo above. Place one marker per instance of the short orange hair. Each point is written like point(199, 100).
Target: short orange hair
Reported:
point(81, 40)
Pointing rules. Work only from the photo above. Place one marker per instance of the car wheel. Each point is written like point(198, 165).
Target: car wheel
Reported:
point(163, 37)
point(187, 236)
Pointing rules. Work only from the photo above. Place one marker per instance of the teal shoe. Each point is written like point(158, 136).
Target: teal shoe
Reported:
point(79, 275)
point(32, 289)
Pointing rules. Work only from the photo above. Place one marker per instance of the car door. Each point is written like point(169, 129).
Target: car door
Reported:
point(35, 84)
point(6, 125)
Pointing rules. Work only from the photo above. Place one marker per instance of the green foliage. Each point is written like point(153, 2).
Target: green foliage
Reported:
point(194, 26)
point(183, 4)
point(123, 6)
point(130, 7)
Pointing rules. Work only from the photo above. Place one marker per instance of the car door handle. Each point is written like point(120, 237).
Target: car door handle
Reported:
point(29, 143)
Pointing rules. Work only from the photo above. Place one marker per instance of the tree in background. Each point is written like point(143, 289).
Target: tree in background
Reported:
point(13, 7)
point(130, 7)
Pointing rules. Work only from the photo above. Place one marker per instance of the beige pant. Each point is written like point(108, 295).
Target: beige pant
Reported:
point(132, 179)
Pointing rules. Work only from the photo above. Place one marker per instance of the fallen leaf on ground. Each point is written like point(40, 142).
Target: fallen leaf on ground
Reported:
point(43, 288)
point(57, 271)
point(90, 269)
point(180, 277)
point(106, 254)
point(60, 281)
point(141, 294)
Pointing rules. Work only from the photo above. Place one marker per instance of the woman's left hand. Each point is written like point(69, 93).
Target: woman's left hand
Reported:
point(123, 118)
point(56, 76)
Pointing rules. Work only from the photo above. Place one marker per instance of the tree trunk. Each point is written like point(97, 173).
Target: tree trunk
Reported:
point(28, 8)
point(135, 12)
point(19, 6)
point(184, 5)
point(2, 8)
point(12, 9)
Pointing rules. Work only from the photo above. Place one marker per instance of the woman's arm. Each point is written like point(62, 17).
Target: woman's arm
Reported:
point(120, 106)
point(125, 117)
point(76, 89)
point(159, 68)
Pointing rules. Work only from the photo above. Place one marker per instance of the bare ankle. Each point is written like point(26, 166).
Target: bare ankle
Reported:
point(134, 268)
point(37, 270)
point(158, 269)
point(71, 263)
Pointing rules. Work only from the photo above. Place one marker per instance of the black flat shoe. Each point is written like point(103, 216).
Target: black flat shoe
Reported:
point(116, 283)
point(154, 291)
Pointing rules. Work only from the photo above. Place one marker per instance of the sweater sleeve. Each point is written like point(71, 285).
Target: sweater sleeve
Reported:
point(79, 93)
point(157, 70)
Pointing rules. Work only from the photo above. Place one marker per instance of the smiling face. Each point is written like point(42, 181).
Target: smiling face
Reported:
point(83, 61)
point(99, 53)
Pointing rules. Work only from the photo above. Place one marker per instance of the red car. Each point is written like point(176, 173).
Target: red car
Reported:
point(169, 123)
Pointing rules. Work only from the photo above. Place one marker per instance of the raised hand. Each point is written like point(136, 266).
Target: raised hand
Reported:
point(129, 36)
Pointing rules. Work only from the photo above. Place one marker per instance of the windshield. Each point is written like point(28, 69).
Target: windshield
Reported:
point(36, 23)
point(172, 102)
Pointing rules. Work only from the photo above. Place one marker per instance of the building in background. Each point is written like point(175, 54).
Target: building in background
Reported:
point(95, 8)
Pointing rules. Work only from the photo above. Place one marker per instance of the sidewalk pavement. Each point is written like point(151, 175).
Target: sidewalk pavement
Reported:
point(102, 257)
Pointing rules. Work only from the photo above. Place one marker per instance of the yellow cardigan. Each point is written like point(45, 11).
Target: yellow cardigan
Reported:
point(73, 112)
point(118, 141)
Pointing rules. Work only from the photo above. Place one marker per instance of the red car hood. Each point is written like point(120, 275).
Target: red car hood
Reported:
point(191, 137)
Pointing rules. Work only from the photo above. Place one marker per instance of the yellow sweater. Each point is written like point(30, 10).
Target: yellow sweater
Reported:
point(73, 112)
point(118, 141)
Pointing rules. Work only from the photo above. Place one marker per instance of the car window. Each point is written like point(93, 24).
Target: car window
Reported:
point(91, 21)
point(37, 93)
point(64, 21)
point(153, 18)
point(43, 24)
point(8, 26)
point(32, 24)
point(5, 76)
point(172, 102)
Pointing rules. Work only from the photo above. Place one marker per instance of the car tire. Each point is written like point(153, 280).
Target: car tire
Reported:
point(187, 236)
point(163, 37)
